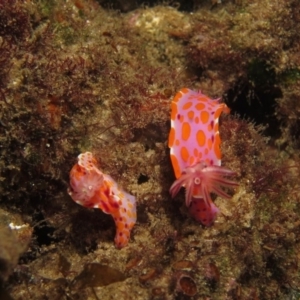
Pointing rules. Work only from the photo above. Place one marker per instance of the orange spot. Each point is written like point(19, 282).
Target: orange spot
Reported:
point(181, 118)
point(177, 97)
point(184, 90)
point(190, 114)
point(216, 127)
point(171, 137)
point(173, 111)
point(109, 184)
point(225, 108)
point(200, 106)
point(177, 142)
point(209, 127)
point(196, 152)
point(187, 105)
point(129, 214)
point(192, 159)
point(184, 152)
point(76, 172)
point(206, 151)
point(175, 165)
point(217, 146)
point(204, 116)
point(217, 139)
point(186, 131)
point(203, 98)
point(218, 112)
point(197, 120)
point(120, 226)
point(130, 225)
point(200, 136)
point(200, 155)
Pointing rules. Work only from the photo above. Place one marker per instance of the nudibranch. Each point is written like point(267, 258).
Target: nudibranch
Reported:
point(194, 143)
point(91, 188)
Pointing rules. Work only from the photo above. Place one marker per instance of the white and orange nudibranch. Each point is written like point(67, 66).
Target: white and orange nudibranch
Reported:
point(194, 141)
point(91, 188)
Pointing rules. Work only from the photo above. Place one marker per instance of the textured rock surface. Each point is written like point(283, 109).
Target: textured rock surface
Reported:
point(76, 76)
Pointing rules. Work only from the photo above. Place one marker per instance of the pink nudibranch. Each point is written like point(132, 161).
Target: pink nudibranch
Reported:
point(194, 142)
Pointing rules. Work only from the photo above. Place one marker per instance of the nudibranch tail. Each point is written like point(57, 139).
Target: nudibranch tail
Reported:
point(202, 212)
point(91, 188)
point(125, 216)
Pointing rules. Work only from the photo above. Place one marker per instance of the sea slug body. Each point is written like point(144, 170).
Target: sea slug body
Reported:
point(194, 143)
point(91, 188)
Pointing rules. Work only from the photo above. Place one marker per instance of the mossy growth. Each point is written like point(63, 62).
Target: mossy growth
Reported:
point(260, 74)
point(290, 76)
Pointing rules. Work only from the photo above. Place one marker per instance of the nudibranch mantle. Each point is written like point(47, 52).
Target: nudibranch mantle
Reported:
point(194, 142)
point(91, 188)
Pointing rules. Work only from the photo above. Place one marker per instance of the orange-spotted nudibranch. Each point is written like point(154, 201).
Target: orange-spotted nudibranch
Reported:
point(194, 142)
point(91, 188)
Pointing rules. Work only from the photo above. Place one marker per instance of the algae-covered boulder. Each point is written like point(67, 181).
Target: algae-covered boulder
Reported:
point(14, 240)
